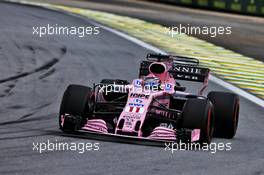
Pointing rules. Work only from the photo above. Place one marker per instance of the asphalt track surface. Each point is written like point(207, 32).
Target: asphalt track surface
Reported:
point(34, 73)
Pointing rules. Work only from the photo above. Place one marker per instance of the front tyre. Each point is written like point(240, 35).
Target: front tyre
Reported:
point(199, 114)
point(76, 104)
point(226, 106)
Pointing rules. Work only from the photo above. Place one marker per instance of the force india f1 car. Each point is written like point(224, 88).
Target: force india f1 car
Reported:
point(154, 106)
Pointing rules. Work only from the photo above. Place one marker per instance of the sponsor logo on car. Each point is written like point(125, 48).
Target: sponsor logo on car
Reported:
point(167, 125)
point(138, 101)
point(168, 87)
point(135, 95)
point(185, 69)
point(188, 77)
point(132, 109)
point(131, 117)
point(136, 104)
point(138, 83)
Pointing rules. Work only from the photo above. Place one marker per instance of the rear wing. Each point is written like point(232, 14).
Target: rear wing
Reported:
point(190, 73)
point(184, 68)
point(175, 58)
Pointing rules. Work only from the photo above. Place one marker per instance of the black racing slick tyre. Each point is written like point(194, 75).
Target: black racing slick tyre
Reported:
point(226, 106)
point(76, 103)
point(199, 114)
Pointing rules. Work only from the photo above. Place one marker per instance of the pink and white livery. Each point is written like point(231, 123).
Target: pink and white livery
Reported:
point(154, 106)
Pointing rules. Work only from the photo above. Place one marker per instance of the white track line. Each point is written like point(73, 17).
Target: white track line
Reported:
point(212, 78)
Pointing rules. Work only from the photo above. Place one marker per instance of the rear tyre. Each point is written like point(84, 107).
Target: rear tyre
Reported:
point(226, 106)
point(199, 114)
point(77, 103)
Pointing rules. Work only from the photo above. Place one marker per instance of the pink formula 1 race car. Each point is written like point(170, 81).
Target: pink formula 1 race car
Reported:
point(154, 106)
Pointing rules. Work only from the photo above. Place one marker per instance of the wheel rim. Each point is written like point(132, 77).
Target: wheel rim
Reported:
point(235, 117)
point(209, 128)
